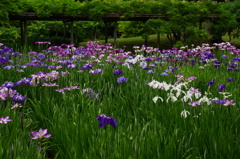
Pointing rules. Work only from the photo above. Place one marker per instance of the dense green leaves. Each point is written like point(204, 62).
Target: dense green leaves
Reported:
point(8, 7)
point(185, 20)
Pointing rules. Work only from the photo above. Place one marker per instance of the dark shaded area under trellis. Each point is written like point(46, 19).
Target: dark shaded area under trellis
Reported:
point(110, 17)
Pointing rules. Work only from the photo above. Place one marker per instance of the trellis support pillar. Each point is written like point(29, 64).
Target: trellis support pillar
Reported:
point(24, 31)
point(115, 34)
point(106, 31)
point(72, 28)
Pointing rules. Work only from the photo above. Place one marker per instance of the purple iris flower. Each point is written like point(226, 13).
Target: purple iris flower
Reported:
point(235, 59)
point(90, 92)
point(100, 70)
point(207, 55)
point(8, 84)
point(18, 98)
point(164, 74)
point(122, 79)
point(93, 95)
point(224, 57)
point(17, 54)
point(9, 67)
point(71, 65)
point(230, 68)
point(117, 72)
point(25, 80)
point(148, 59)
point(40, 56)
point(219, 101)
point(150, 71)
point(31, 64)
point(20, 82)
point(193, 62)
point(105, 120)
point(212, 82)
point(3, 60)
point(230, 79)
point(221, 87)
point(224, 102)
point(87, 66)
point(217, 63)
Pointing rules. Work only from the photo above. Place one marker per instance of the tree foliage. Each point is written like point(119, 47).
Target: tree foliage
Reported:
point(185, 19)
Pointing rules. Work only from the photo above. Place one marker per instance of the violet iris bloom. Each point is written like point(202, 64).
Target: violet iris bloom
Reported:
point(87, 66)
point(9, 67)
point(193, 62)
point(40, 56)
point(230, 79)
point(217, 63)
point(18, 98)
point(122, 79)
point(117, 72)
point(164, 74)
point(8, 84)
point(105, 120)
point(71, 65)
point(211, 82)
point(224, 57)
point(225, 102)
point(97, 71)
point(24, 80)
point(150, 71)
point(4, 60)
point(221, 87)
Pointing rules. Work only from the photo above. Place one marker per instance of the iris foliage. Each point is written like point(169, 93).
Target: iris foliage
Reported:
point(175, 103)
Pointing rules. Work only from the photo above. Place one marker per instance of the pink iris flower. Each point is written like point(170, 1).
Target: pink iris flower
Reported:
point(42, 133)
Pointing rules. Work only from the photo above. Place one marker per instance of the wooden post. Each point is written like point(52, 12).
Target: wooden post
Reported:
point(71, 32)
point(200, 25)
point(64, 30)
point(145, 34)
point(106, 32)
point(207, 26)
point(25, 32)
point(146, 40)
point(95, 33)
point(115, 35)
point(21, 32)
point(158, 40)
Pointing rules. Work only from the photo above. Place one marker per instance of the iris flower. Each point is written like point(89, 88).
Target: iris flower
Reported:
point(150, 71)
point(164, 74)
point(212, 82)
point(8, 84)
point(117, 72)
point(105, 120)
point(18, 98)
point(42, 133)
point(221, 87)
point(5, 120)
point(156, 98)
point(122, 79)
point(171, 97)
point(185, 113)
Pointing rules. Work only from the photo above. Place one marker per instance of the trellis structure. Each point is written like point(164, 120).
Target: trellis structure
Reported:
point(110, 17)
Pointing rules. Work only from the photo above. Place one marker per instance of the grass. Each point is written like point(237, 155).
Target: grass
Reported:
point(128, 43)
point(146, 129)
